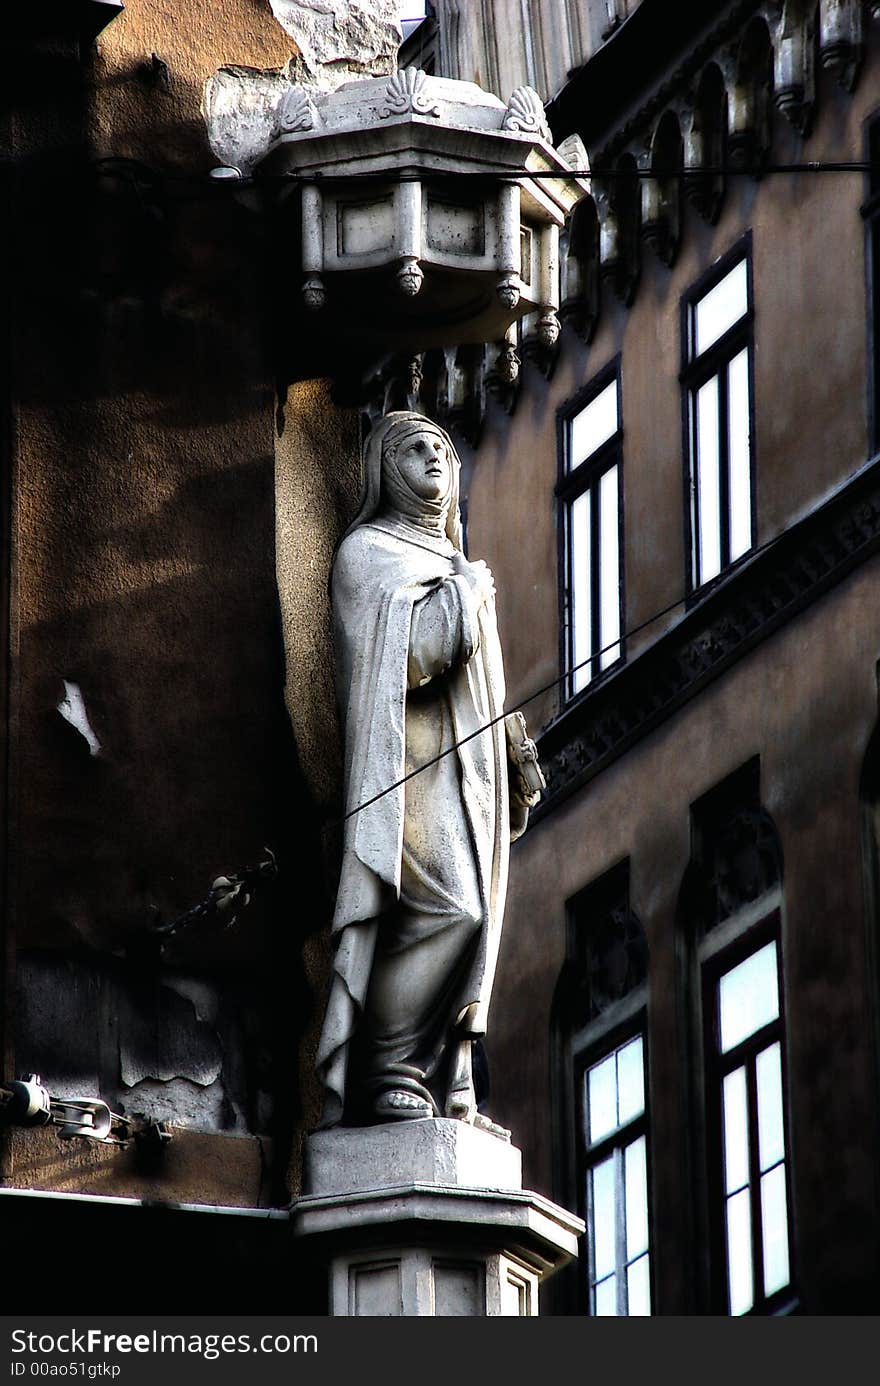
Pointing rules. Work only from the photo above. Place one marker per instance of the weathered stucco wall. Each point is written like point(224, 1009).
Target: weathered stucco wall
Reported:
point(143, 565)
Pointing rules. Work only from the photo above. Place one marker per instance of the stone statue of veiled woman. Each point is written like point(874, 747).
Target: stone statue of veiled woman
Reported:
point(424, 871)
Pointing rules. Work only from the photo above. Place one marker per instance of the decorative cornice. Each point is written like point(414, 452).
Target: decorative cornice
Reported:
point(591, 82)
point(755, 600)
point(677, 82)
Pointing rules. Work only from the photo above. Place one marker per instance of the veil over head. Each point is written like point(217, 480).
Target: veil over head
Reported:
point(394, 428)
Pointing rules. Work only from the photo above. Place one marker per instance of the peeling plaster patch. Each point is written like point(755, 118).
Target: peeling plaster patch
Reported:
point(73, 710)
point(169, 1043)
point(185, 1103)
point(340, 40)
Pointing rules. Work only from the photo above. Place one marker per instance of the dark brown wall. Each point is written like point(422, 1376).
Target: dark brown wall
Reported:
point(804, 702)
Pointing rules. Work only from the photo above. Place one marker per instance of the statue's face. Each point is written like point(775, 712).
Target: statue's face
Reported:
point(424, 464)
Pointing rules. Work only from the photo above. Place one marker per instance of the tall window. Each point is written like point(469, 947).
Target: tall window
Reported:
point(718, 384)
point(591, 511)
point(732, 897)
point(600, 1010)
point(748, 1064)
point(617, 1182)
point(871, 214)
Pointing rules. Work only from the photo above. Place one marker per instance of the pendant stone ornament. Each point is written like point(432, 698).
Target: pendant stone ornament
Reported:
point(548, 328)
point(410, 276)
point(508, 290)
point(314, 293)
point(405, 95)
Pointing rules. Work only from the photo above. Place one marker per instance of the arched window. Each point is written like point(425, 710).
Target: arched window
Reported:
point(601, 1047)
point(732, 905)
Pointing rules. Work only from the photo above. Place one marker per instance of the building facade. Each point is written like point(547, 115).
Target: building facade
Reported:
point(679, 505)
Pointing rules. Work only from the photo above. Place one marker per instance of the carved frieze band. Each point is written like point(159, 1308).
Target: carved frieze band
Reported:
point(754, 602)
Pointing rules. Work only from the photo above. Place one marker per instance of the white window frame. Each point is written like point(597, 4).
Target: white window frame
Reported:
point(742, 1169)
point(612, 1152)
point(718, 380)
point(590, 494)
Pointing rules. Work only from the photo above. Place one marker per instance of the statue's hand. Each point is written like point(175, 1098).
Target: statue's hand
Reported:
point(478, 574)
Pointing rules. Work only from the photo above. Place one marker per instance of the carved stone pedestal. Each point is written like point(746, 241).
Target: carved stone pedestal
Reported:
point(429, 1218)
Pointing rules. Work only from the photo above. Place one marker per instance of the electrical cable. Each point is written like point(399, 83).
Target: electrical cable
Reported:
point(545, 688)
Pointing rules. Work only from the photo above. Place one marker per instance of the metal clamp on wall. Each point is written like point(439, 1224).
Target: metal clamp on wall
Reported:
point(25, 1102)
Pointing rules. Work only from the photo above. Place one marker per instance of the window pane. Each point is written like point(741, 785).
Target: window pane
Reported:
point(739, 1253)
point(594, 425)
point(638, 1288)
point(748, 997)
point(736, 1131)
point(721, 307)
point(630, 1081)
point(708, 517)
point(604, 1208)
point(580, 591)
point(602, 1099)
point(739, 455)
point(636, 1177)
point(771, 1136)
point(774, 1220)
point(609, 575)
point(605, 1301)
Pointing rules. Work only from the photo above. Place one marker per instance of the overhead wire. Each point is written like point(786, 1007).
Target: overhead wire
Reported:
point(545, 688)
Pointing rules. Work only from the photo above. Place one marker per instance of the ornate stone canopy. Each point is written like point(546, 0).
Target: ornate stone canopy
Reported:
point(429, 211)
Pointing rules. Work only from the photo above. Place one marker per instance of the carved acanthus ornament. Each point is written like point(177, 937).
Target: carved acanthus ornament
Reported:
point(406, 94)
point(526, 115)
point(296, 112)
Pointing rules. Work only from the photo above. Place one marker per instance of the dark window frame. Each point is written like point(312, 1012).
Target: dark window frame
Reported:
point(572, 482)
point(695, 371)
point(713, 967)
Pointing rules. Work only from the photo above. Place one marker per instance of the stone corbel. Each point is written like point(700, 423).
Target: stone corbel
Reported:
point(548, 318)
point(748, 133)
point(314, 293)
point(538, 346)
point(703, 190)
point(465, 394)
point(509, 286)
point(578, 280)
point(794, 77)
point(413, 377)
point(617, 264)
point(408, 207)
point(841, 40)
point(503, 375)
point(660, 218)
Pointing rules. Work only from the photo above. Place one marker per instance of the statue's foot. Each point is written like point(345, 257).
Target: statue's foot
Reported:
point(484, 1123)
point(461, 1101)
point(397, 1105)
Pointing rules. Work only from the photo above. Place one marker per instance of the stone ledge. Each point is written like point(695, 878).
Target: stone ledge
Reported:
point(545, 1234)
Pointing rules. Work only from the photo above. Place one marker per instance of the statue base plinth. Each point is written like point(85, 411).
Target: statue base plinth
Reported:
point(428, 1218)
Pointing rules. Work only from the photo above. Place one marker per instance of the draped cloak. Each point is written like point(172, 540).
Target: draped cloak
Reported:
point(385, 569)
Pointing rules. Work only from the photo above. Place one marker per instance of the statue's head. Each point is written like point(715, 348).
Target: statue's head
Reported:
point(417, 469)
point(411, 467)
